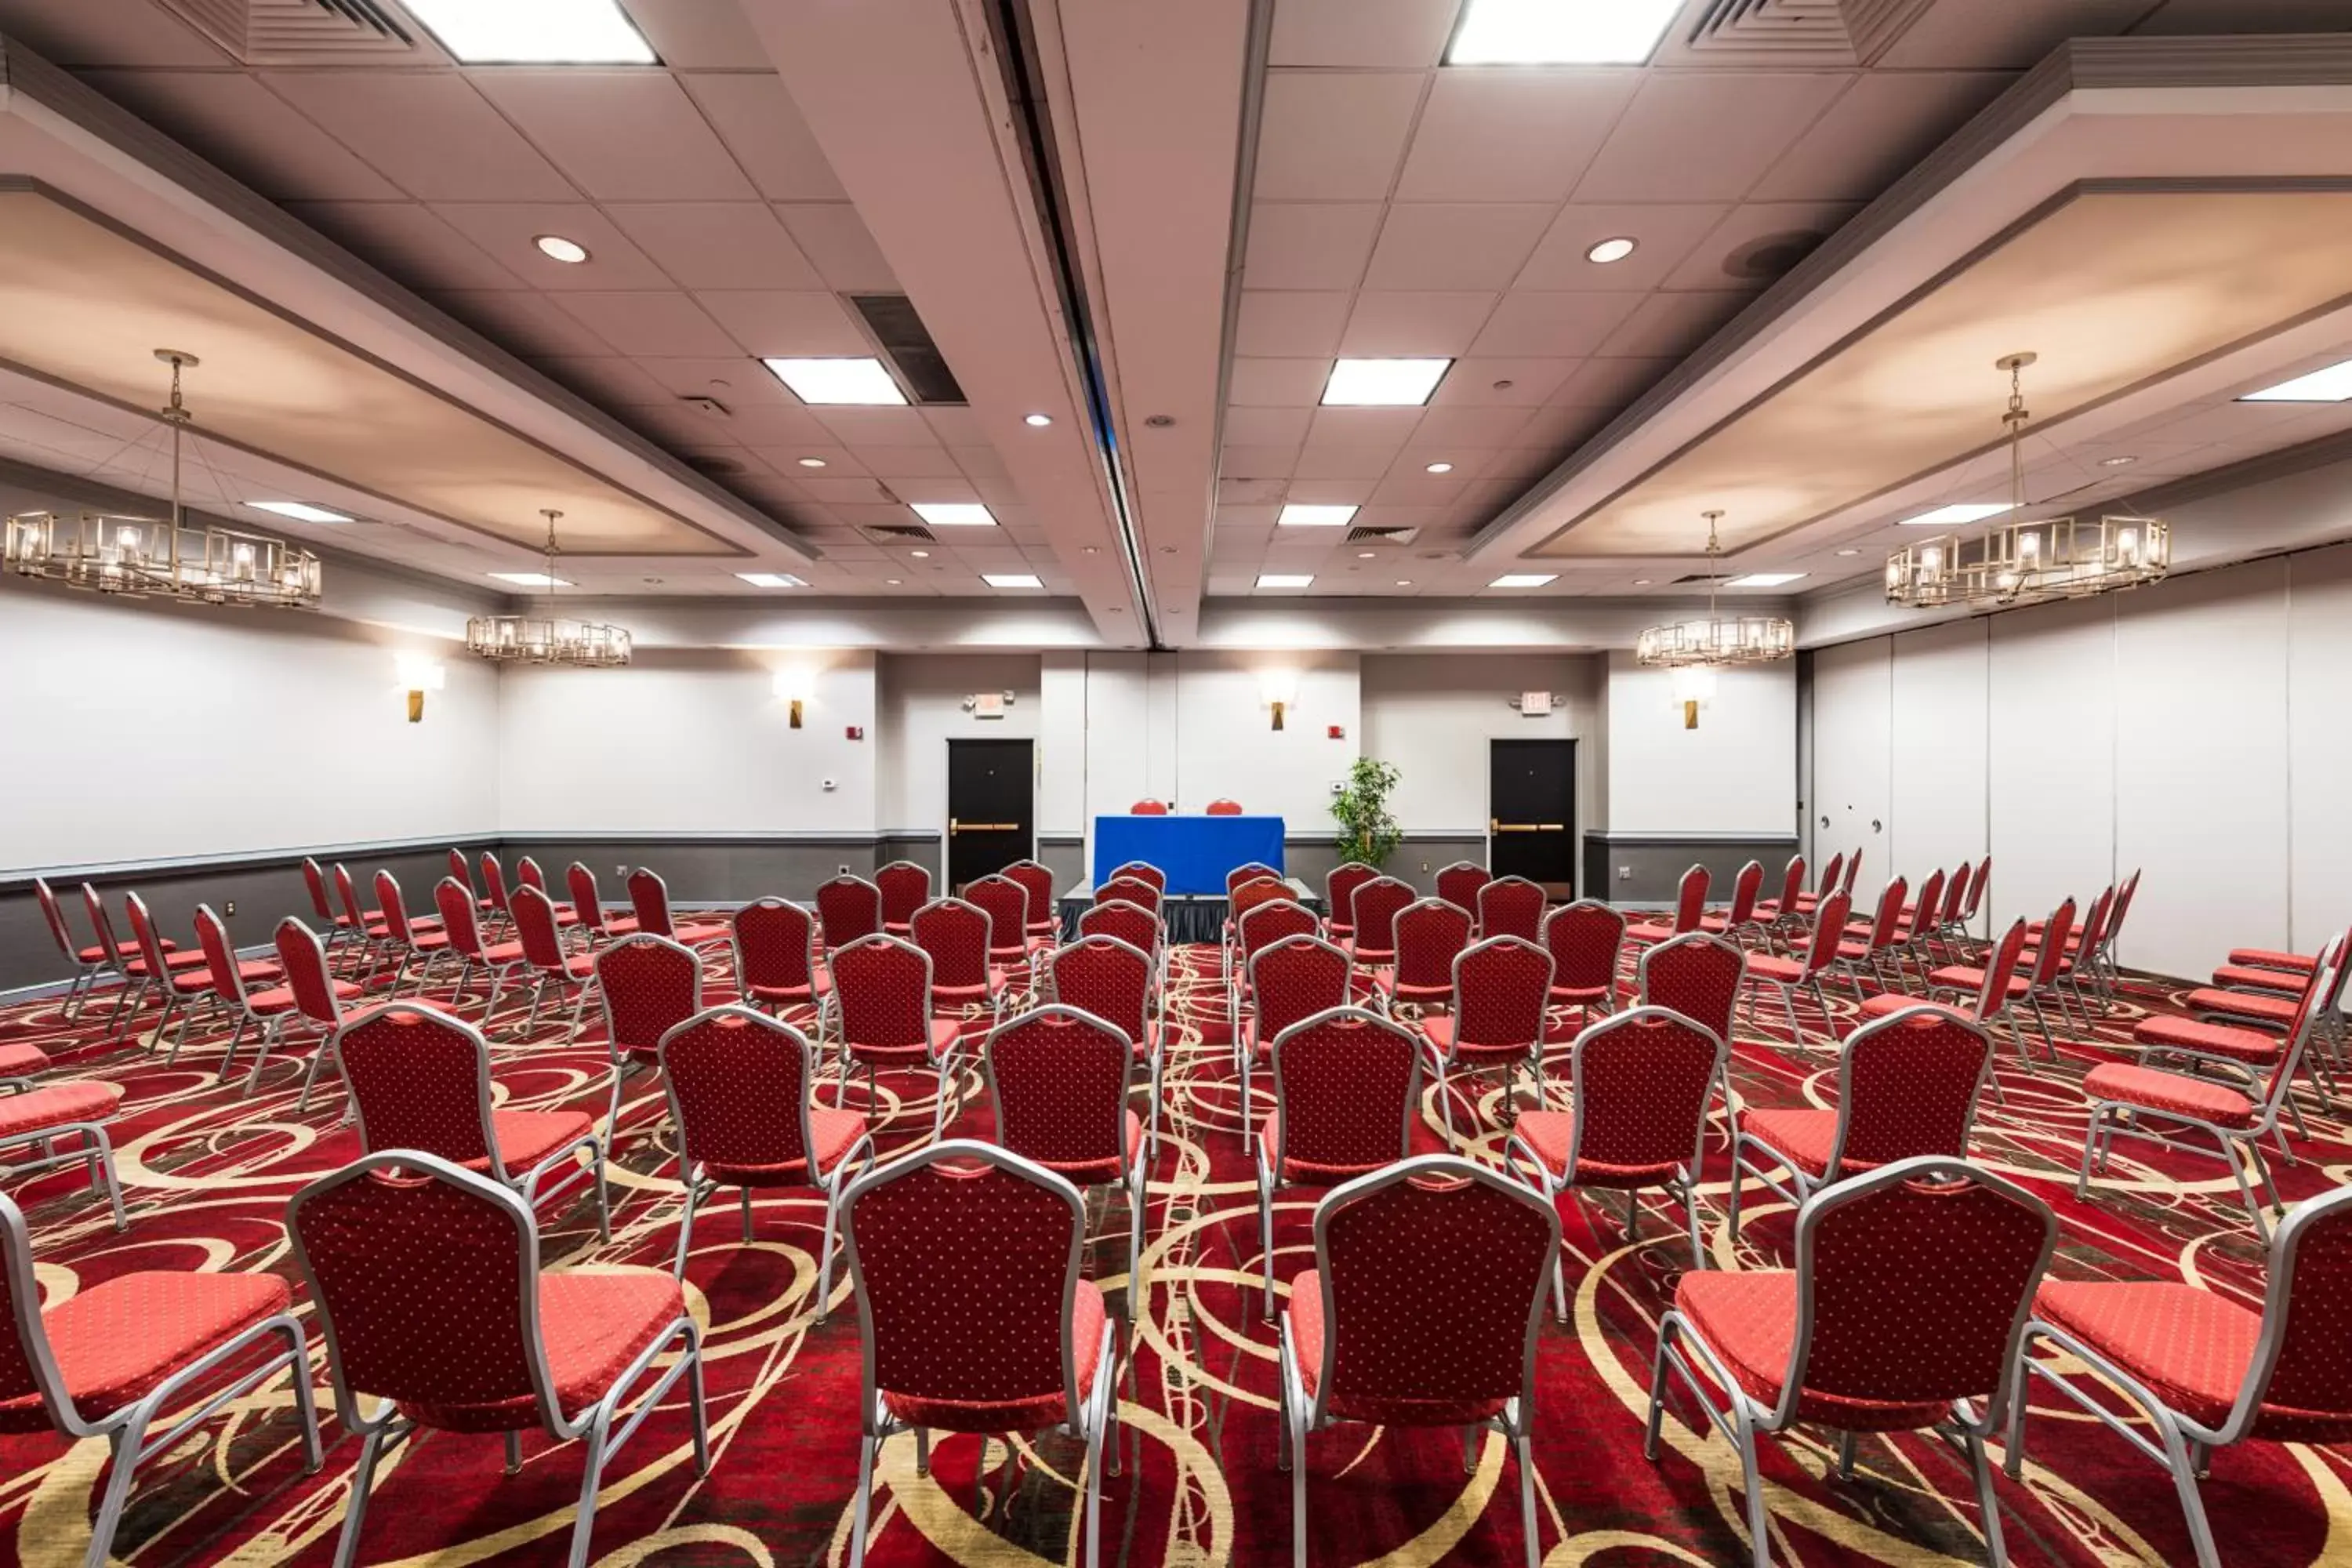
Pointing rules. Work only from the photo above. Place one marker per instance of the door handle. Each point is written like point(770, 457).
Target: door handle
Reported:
point(1497, 825)
point(955, 827)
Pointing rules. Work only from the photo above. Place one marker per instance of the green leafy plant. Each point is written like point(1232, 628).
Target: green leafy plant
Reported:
point(1367, 832)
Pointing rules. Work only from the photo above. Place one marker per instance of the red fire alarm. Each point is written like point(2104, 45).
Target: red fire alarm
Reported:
point(856, 732)
point(1339, 732)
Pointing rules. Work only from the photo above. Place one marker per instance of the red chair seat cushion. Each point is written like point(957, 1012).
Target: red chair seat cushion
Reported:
point(820, 984)
point(2170, 1091)
point(188, 982)
point(593, 1325)
point(1648, 931)
point(2278, 1010)
point(1750, 1319)
point(2260, 979)
point(1961, 977)
point(2218, 1039)
point(527, 1137)
point(833, 1133)
point(1109, 1169)
point(22, 1060)
point(1579, 995)
point(1303, 1172)
point(1546, 1134)
point(2270, 958)
point(1807, 1137)
point(943, 1035)
point(280, 998)
point(618, 925)
point(1026, 1415)
point(1774, 968)
point(176, 961)
point(115, 1341)
point(1305, 1315)
point(57, 1105)
point(92, 954)
point(691, 934)
point(1438, 1028)
point(502, 952)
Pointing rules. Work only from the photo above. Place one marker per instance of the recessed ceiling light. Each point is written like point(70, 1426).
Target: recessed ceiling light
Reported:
point(1524, 579)
point(1608, 250)
point(773, 580)
point(1849, 552)
point(1640, 582)
point(1560, 32)
point(1011, 579)
point(921, 555)
point(1761, 579)
point(1038, 420)
point(1439, 468)
point(812, 462)
point(1300, 514)
point(301, 512)
point(1960, 511)
point(534, 32)
point(954, 513)
point(2332, 384)
point(555, 248)
point(838, 381)
point(1366, 554)
point(1383, 382)
point(2118, 461)
point(1404, 582)
point(1284, 579)
point(892, 581)
point(532, 579)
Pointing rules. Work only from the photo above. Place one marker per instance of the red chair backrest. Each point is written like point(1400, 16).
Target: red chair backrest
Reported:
point(1852, 870)
point(1993, 994)
point(2311, 1288)
point(1978, 885)
point(461, 871)
point(883, 988)
point(1143, 871)
point(586, 901)
point(1890, 912)
point(350, 897)
point(1512, 906)
point(1829, 930)
point(2123, 907)
point(649, 902)
point(1339, 891)
point(1501, 987)
point(1247, 872)
point(2319, 1001)
point(905, 888)
point(527, 873)
point(220, 957)
point(1584, 939)
point(142, 929)
point(2055, 931)
point(304, 959)
point(394, 907)
point(1696, 975)
point(1690, 900)
point(1916, 1287)
point(1005, 902)
point(1147, 808)
point(1260, 891)
point(775, 946)
point(316, 880)
point(1793, 883)
point(56, 917)
point(1270, 921)
point(419, 1080)
point(1130, 923)
point(1833, 875)
point(1642, 1081)
point(494, 881)
point(1908, 1086)
point(1746, 888)
point(1347, 1087)
point(650, 984)
point(965, 1259)
point(955, 935)
point(1296, 978)
point(848, 907)
point(1430, 935)
point(1037, 881)
point(1956, 892)
point(739, 1084)
point(1133, 891)
point(455, 903)
point(1461, 883)
point(2094, 923)
point(1225, 808)
point(1930, 901)
point(535, 919)
point(1106, 977)
point(1373, 911)
point(1058, 1079)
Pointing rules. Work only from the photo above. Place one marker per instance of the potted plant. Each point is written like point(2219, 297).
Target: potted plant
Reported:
point(1367, 832)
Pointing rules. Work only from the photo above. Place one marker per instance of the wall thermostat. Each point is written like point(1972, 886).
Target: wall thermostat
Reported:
point(829, 784)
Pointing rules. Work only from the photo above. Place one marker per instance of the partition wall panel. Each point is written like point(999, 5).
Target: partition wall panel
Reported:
point(1938, 722)
point(2050, 757)
point(1853, 759)
point(2319, 745)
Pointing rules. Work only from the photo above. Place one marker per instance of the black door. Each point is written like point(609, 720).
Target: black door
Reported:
point(1531, 813)
point(991, 807)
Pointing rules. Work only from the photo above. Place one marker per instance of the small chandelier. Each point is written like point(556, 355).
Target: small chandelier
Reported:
point(547, 639)
point(1695, 650)
point(167, 557)
point(2026, 562)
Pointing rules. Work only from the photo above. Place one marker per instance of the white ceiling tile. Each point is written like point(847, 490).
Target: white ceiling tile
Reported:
point(1883, 125)
point(733, 378)
point(649, 323)
point(1250, 492)
point(521, 321)
point(1671, 325)
point(1758, 242)
point(1333, 462)
point(1510, 133)
point(1290, 324)
point(111, 33)
point(928, 487)
point(770, 424)
point(1267, 427)
point(1409, 34)
point(755, 117)
point(430, 134)
point(1551, 324)
point(717, 245)
point(925, 461)
point(1609, 382)
point(507, 231)
point(834, 240)
point(1469, 462)
point(1416, 488)
point(1329, 492)
point(875, 427)
point(772, 323)
point(2012, 35)
point(1470, 427)
point(621, 135)
point(1333, 136)
point(978, 462)
point(1277, 383)
point(235, 122)
point(1455, 245)
point(1481, 382)
point(1309, 244)
point(1412, 324)
point(407, 241)
point(1664, 234)
point(1258, 462)
point(1386, 428)
point(1704, 135)
point(691, 34)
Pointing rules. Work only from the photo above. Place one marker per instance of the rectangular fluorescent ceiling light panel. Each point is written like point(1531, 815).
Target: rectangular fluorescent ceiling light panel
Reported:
point(1383, 382)
point(1961, 511)
point(838, 381)
point(771, 579)
point(301, 512)
point(1524, 579)
point(1765, 579)
point(534, 32)
point(954, 513)
point(1284, 579)
point(532, 579)
point(1560, 32)
point(1301, 514)
point(2331, 384)
point(1011, 579)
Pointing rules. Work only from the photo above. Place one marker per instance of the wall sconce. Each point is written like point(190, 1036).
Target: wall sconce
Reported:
point(792, 686)
point(419, 675)
point(1693, 689)
point(1281, 689)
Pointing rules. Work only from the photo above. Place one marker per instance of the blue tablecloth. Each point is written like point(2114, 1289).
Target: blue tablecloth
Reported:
point(1195, 851)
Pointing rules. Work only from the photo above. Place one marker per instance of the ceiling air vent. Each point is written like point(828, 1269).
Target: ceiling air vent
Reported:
point(900, 533)
point(297, 32)
point(1800, 32)
point(922, 369)
point(1382, 535)
point(1704, 577)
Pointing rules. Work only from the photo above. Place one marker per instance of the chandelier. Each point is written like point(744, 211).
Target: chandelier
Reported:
point(169, 557)
point(2025, 563)
point(547, 639)
point(1695, 650)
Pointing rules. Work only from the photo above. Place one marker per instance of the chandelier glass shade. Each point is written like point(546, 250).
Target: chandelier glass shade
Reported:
point(1716, 641)
point(547, 638)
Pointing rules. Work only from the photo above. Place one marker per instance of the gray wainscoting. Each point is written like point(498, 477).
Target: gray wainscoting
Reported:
point(1655, 864)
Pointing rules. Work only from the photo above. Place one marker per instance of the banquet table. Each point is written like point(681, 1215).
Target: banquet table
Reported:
point(1194, 851)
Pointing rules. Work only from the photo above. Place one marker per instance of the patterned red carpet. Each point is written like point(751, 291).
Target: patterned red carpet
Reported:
point(208, 1173)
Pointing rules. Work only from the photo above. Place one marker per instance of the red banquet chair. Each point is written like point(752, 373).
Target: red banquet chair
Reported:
point(529, 875)
point(1005, 902)
point(1870, 945)
point(1790, 975)
point(1495, 1017)
point(77, 1109)
point(1690, 907)
point(252, 1010)
point(1036, 879)
point(1142, 871)
point(1372, 910)
point(1696, 975)
point(544, 961)
point(1147, 808)
point(1243, 900)
point(417, 942)
point(1222, 808)
point(1512, 906)
point(1638, 1084)
point(776, 963)
point(1832, 879)
point(1292, 979)
point(2042, 965)
point(1461, 883)
point(115, 1355)
point(420, 1081)
point(1905, 1310)
point(649, 906)
point(1249, 871)
point(1421, 1310)
point(905, 888)
point(965, 1260)
point(338, 927)
point(1907, 1088)
point(1127, 889)
point(965, 981)
point(306, 993)
point(468, 941)
point(462, 870)
point(649, 985)
point(429, 1290)
point(589, 901)
point(884, 1016)
point(1264, 922)
point(742, 1094)
point(2207, 1373)
point(89, 962)
point(495, 892)
point(1339, 898)
point(1739, 919)
point(1916, 925)
point(1783, 913)
point(848, 907)
point(1584, 940)
point(1059, 1081)
point(1346, 1090)
point(1130, 923)
point(1111, 980)
point(186, 985)
point(370, 934)
point(2246, 1048)
point(1431, 933)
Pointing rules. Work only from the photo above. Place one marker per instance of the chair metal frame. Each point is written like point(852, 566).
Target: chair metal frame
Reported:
point(1340, 904)
point(1829, 919)
point(1245, 1051)
point(939, 1060)
point(1581, 907)
point(1457, 870)
point(898, 870)
point(1511, 886)
point(95, 1151)
point(292, 931)
point(815, 960)
point(1444, 1061)
point(995, 981)
point(1690, 907)
point(621, 1061)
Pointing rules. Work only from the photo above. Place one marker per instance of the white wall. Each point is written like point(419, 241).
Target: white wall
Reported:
point(1226, 746)
point(1735, 776)
point(922, 707)
point(1433, 714)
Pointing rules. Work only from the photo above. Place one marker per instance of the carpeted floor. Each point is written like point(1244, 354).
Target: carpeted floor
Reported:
point(207, 1173)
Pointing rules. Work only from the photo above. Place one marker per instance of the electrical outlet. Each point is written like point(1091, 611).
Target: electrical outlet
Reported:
point(1625, 873)
point(229, 908)
point(1424, 865)
point(621, 872)
point(841, 870)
